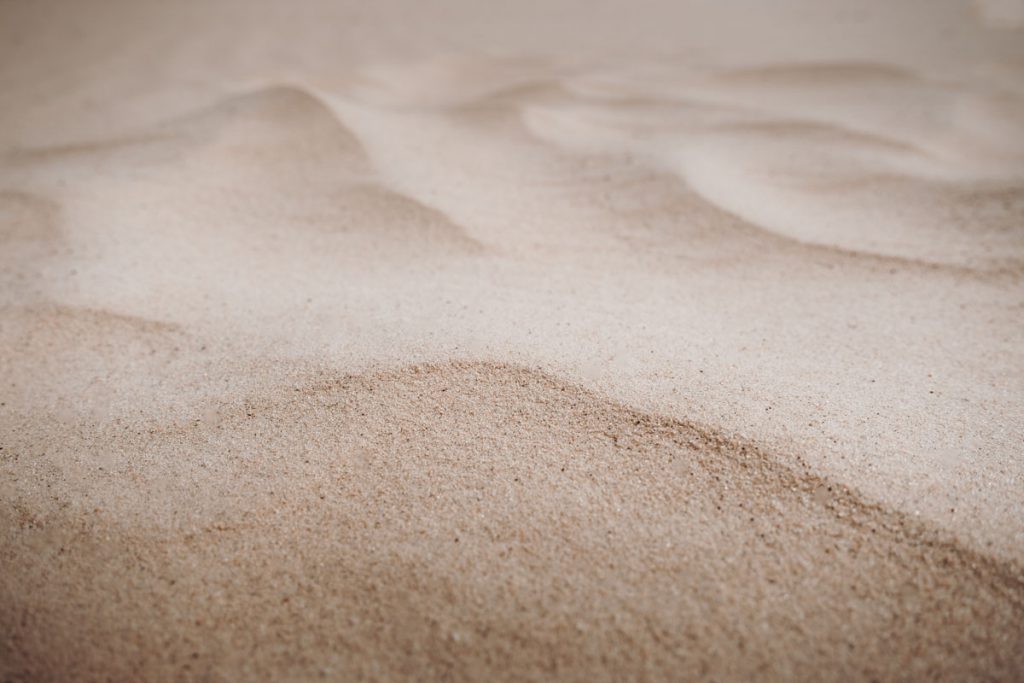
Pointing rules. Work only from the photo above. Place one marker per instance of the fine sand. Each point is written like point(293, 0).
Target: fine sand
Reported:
point(529, 341)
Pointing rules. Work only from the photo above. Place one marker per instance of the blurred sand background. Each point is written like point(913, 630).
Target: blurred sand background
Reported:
point(477, 340)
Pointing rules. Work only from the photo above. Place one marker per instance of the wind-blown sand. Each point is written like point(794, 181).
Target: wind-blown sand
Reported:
point(577, 340)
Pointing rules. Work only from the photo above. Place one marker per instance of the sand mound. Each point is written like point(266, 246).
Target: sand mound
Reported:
point(470, 520)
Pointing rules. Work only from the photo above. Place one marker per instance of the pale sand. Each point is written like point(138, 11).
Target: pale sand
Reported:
point(527, 341)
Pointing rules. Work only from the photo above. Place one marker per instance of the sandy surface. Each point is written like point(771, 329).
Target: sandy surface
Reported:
point(537, 340)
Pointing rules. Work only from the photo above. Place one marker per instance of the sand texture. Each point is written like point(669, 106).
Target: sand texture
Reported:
point(511, 341)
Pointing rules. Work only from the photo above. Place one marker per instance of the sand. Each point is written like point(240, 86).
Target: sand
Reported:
point(527, 341)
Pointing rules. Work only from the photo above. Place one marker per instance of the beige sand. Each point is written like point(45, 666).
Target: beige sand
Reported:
point(527, 341)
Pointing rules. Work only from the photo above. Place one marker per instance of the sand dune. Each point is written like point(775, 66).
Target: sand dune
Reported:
point(499, 341)
point(811, 180)
point(258, 168)
point(364, 512)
